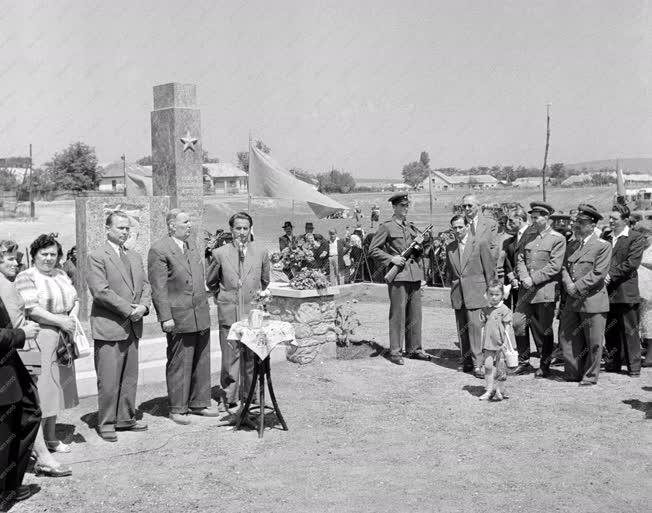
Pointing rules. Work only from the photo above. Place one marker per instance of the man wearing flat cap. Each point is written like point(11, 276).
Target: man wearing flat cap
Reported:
point(287, 240)
point(622, 340)
point(538, 263)
point(391, 239)
point(586, 302)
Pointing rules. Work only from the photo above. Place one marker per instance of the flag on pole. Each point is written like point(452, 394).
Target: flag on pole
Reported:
point(268, 179)
point(620, 183)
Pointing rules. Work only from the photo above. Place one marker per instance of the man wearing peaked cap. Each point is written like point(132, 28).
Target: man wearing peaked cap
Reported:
point(539, 260)
point(391, 239)
point(586, 302)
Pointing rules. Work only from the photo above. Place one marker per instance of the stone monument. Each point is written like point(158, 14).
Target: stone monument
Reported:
point(177, 183)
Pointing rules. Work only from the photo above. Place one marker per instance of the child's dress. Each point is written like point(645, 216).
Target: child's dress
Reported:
point(494, 333)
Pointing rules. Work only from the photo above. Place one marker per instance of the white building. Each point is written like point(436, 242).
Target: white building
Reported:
point(227, 178)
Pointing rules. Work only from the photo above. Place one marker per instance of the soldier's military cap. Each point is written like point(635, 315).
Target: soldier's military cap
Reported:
point(397, 197)
point(560, 217)
point(541, 208)
point(586, 212)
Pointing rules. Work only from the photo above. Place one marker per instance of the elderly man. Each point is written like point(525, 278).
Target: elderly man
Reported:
point(622, 339)
point(176, 275)
point(121, 297)
point(539, 260)
point(480, 226)
point(391, 239)
point(586, 303)
point(470, 266)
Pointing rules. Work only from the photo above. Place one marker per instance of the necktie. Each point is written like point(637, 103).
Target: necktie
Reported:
point(126, 264)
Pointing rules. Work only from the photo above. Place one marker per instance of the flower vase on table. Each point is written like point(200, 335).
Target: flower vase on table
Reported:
point(256, 318)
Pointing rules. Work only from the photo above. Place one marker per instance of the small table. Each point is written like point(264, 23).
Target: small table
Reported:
point(261, 341)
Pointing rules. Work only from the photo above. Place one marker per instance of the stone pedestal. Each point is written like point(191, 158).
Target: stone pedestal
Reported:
point(312, 312)
point(147, 218)
point(177, 149)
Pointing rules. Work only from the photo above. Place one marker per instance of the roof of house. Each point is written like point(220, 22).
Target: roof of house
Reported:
point(117, 169)
point(224, 170)
point(18, 172)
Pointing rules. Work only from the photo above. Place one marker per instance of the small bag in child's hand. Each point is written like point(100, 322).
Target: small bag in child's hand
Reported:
point(511, 354)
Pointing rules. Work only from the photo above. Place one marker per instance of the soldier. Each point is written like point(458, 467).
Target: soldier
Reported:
point(538, 263)
point(586, 302)
point(391, 239)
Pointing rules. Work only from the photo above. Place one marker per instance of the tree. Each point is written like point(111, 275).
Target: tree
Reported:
point(424, 159)
point(336, 181)
point(75, 168)
point(8, 180)
point(414, 174)
point(557, 172)
point(602, 179)
point(145, 161)
point(243, 156)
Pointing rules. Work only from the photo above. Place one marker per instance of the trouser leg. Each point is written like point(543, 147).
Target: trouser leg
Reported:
point(631, 339)
point(568, 326)
point(230, 365)
point(542, 315)
point(413, 318)
point(475, 336)
point(108, 365)
point(613, 336)
point(200, 378)
point(178, 371)
point(126, 413)
point(397, 301)
point(521, 332)
point(461, 320)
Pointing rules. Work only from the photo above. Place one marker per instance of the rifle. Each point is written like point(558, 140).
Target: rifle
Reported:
point(415, 246)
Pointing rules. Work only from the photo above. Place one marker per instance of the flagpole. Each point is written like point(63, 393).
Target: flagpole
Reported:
point(248, 180)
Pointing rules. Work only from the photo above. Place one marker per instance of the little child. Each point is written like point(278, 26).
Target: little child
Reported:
point(497, 321)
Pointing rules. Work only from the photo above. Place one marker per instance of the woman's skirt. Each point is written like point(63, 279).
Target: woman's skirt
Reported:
point(57, 385)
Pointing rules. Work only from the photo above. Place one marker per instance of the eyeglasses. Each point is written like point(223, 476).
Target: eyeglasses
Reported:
point(467, 205)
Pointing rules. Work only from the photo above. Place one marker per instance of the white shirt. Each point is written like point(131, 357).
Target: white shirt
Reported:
point(332, 247)
point(180, 243)
point(115, 247)
point(521, 231)
point(462, 244)
point(624, 233)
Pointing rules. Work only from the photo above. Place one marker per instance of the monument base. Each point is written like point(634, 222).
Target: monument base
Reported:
point(147, 217)
point(312, 313)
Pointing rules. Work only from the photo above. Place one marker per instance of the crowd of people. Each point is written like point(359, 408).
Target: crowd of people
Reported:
point(584, 276)
point(509, 278)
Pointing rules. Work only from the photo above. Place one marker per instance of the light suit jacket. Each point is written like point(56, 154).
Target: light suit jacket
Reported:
point(235, 283)
point(470, 272)
point(113, 293)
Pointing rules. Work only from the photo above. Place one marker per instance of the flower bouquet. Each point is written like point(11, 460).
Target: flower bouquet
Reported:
point(309, 279)
point(259, 311)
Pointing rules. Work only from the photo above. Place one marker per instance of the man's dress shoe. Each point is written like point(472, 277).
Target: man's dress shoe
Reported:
point(180, 418)
point(136, 426)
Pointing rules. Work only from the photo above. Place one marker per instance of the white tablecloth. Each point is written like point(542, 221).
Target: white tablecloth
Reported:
point(262, 340)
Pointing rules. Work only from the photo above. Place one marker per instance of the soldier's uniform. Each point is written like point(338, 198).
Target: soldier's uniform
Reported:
point(391, 239)
point(539, 257)
point(584, 313)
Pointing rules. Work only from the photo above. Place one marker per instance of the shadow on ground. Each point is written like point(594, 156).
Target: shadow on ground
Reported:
point(645, 407)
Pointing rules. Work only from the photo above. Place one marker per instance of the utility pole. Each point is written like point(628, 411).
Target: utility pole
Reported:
point(545, 156)
point(31, 197)
point(430, 190)
point(124, 172)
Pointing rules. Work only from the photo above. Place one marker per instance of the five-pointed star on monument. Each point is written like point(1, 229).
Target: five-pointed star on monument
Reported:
point(189, 142)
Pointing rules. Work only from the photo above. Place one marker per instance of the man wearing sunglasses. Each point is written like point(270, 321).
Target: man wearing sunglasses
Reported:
point(391, 239)
point(480, 226)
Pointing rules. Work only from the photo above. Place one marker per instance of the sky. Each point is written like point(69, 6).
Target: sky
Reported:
point(362, 86)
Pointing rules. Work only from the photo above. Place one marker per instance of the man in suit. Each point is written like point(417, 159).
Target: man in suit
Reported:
point(538, 263)
point(586, 303)
point(470, 265)
point(337, 248)
point(287, 240)
point(121, 297)
point(622, 340)
point(391, 239)
point(20, 414)
point(518, 226)
point(239, 270)
point(480, 226)
point(176, 275)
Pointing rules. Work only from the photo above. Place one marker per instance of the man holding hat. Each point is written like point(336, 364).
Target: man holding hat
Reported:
point(392, 238)
point(539, 260)
point(584, 314)
point(287, 240)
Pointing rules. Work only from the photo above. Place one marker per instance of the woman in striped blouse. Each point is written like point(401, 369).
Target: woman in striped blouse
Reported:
point(51, 300)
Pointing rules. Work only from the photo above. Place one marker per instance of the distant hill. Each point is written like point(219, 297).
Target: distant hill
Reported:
point(627, 165)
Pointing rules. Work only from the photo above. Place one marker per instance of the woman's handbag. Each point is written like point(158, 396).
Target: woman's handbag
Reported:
point(81, 345)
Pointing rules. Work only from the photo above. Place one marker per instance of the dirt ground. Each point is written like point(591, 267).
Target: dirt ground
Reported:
point(368, 436)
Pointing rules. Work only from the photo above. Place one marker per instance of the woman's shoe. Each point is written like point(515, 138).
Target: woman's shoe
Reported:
point(50, 471)
point(57, 446)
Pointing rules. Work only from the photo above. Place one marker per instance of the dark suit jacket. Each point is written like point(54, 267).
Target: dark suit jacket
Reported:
point(623, 269)
point(113, 293)
point(178, 288)
point(14, 378)
point(284, 242)
point(469, 273)
point(225, 275)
